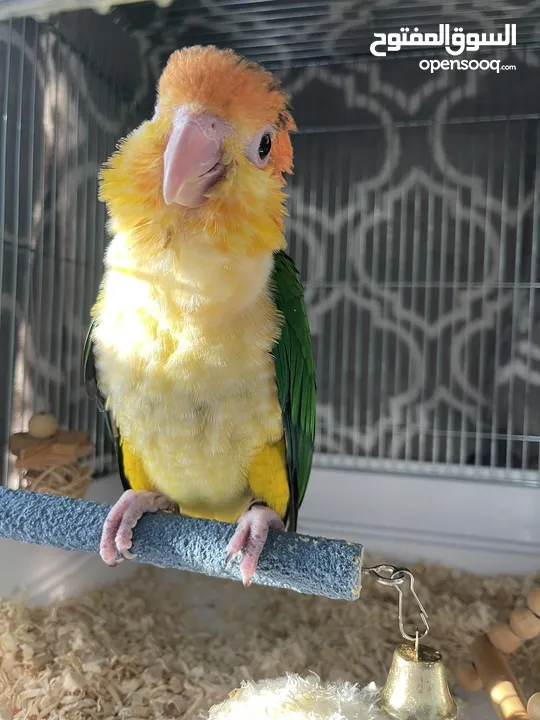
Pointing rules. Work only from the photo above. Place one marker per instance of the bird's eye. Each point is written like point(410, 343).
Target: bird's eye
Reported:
point(265, 146)
point(259, 146)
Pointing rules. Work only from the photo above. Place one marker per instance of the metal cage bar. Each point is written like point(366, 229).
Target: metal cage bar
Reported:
point(60, 121)
point(414, 223)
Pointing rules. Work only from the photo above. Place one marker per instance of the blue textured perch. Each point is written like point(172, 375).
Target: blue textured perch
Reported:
point(315, 566)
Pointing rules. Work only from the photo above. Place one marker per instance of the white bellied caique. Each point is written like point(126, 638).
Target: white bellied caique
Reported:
point(199, 350)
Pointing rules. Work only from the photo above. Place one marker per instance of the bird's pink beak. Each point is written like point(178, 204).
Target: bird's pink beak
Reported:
point(193, 158)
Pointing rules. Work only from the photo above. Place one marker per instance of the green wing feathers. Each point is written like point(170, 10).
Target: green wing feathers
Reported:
point(295, 378)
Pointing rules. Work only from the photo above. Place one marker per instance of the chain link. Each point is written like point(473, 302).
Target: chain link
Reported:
point(396, 577)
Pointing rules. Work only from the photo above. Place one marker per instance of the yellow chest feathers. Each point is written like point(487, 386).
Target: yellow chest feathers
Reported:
point(183, 356)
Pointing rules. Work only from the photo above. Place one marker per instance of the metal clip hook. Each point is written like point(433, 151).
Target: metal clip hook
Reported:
point(395, 577)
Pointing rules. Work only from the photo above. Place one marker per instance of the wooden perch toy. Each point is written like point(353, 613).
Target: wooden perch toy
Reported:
point(490, 670)
point(48, 458)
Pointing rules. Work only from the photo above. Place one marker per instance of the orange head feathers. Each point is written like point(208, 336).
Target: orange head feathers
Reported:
point(209, 166)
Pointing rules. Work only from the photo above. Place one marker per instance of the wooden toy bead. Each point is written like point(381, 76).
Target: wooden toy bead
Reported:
point(504, 638)
point(533, 706)
point(533, 601)
point(42, 426)
point(525, 623)
point(468, 678)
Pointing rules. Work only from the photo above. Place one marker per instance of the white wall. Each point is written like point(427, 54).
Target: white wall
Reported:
point(472, 525)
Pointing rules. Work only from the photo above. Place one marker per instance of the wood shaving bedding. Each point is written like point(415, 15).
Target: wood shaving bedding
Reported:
point(154, 648)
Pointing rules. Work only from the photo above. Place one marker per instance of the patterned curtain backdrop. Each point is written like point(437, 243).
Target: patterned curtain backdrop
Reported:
point(413, 215)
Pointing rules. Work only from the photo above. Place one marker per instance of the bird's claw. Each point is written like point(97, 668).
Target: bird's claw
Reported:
point(117, 534)
point(250, 537)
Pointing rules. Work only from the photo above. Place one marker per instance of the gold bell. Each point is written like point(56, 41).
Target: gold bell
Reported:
point(416, 687)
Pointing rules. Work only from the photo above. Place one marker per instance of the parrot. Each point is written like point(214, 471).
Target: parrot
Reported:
point(199, 352)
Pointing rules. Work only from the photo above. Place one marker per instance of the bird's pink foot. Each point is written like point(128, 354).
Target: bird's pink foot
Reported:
point(117, 534)
point(250, 537)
